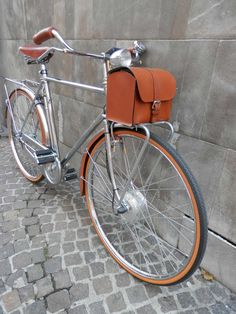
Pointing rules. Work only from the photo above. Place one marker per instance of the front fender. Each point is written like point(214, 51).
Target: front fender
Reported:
point(85, 159)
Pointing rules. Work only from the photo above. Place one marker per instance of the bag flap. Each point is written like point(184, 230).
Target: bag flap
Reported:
point(154, 84)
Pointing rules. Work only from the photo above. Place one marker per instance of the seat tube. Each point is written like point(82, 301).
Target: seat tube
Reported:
point(49, 109)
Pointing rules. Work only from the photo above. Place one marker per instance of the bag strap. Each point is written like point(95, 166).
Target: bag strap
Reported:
point(156, 91)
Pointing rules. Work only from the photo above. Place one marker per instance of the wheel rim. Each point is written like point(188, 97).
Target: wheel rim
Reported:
point(161, 247)
point(21, 101)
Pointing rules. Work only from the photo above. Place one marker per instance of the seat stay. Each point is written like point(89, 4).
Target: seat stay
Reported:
point(33, 103)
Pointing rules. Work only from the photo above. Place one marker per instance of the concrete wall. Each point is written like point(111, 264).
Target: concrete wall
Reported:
point(195, 40)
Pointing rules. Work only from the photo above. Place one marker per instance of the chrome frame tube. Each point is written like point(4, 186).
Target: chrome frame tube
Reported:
point(27, 140)
point(49, 110)
point(71, 52)
point(169, 125)
point(9, 107)
point(58, 37)
point(20, 83)
point(32, 104)
point(110, 166)
point(83, 138)
point(84, 54)
point(74, 84)
point(136, 162)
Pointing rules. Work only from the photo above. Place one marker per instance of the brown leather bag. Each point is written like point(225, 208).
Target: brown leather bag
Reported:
point(139, 95)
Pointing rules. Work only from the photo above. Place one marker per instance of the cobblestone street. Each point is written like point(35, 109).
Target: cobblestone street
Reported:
point(51, 260)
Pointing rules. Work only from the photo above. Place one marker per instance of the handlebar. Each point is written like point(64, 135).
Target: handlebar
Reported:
point(51, 32)
point(48, 33)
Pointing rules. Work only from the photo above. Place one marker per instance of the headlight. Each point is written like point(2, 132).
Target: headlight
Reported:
point(121, 57)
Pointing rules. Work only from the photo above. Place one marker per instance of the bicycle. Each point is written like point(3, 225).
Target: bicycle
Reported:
point(143, 200)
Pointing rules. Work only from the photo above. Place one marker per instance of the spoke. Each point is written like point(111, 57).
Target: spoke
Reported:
point(33, 122)
point(103, 204)
point(120, 234)
point(164, 242)
point(107, 198)
point(160, 181)
point(170, 254)
point(97, 182)
point(144, 159)
point(102, 176)
point(108, 213)
point(153, 170)
point(172, 223)
point(149, 232)
point(20, 105)
point(174, 209)
point(169, 217)
point(137, 238)
point(121, 171)
point(136, 157)
point(103, 163)
point(161, 189)
point(161, 217)
point(152, 229)
point(141, 247)
point(126, 159)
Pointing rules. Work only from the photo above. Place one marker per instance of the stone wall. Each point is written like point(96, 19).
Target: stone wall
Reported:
point(195, 40)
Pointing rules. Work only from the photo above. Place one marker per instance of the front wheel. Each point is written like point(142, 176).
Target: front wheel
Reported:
point(161, 235)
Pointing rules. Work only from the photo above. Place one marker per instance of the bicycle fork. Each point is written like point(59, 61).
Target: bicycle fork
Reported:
point(121, 206)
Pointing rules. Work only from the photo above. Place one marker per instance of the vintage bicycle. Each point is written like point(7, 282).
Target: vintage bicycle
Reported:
point(143, 200)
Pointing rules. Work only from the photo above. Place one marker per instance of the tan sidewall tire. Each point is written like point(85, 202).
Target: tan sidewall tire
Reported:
point(191, 265)
point(31, 178)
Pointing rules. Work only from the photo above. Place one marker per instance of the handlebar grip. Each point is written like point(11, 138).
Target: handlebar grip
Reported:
point(43, 35)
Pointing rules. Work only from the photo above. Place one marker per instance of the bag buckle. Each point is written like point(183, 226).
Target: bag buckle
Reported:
point(156, 106)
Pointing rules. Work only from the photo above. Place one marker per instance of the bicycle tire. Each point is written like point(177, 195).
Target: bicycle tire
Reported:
point(111, 227)
point(20, 100)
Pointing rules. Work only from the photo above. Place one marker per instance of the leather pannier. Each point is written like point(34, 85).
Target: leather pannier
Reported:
point(139, 95)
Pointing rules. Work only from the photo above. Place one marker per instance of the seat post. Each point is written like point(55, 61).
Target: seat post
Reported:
point(49, 108)
point(43, 71)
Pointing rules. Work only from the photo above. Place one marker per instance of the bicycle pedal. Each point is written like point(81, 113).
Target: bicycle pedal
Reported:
point(70, 174)
point(44, 156)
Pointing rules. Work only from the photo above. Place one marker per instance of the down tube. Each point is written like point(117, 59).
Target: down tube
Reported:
point(83, 138)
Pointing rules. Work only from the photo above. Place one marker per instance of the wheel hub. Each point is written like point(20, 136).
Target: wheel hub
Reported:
point(135, 202)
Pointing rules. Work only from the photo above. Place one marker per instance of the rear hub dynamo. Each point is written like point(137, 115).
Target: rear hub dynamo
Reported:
point(135, 203)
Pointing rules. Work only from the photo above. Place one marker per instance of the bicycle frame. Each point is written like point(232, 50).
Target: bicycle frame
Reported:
point(52, 141)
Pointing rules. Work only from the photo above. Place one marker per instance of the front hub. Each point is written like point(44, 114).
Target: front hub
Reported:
point(134, 203)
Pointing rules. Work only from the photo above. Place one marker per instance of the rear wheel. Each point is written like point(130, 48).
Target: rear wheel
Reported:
point(160, 236)
point(21, 101)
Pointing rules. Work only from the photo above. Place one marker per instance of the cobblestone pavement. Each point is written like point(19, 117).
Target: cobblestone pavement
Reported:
point(51, 260)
